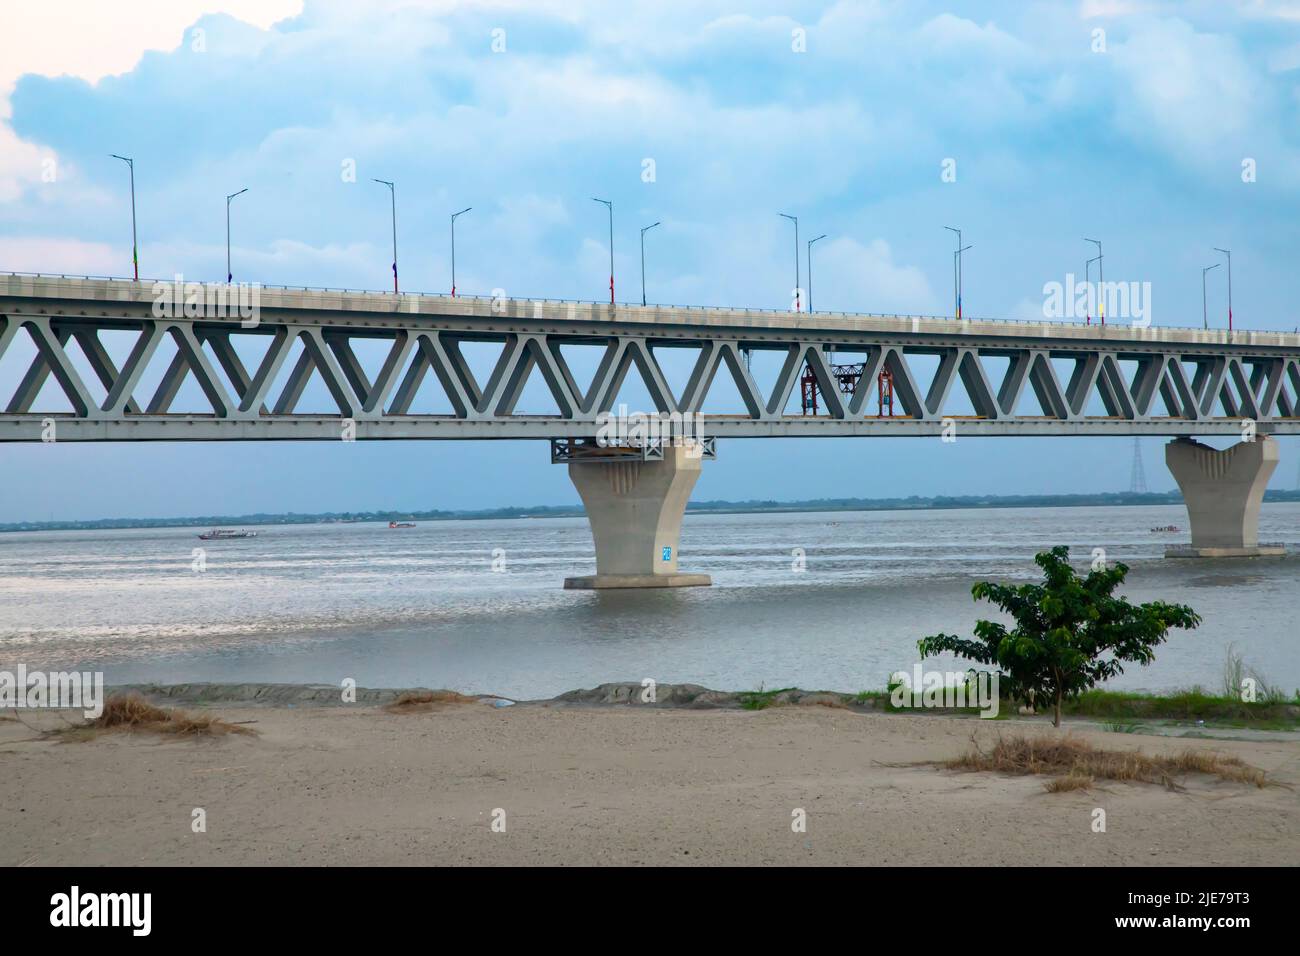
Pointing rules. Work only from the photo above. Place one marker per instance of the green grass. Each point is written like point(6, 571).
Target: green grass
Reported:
point(1117, 711)
point(1192, 704)
point(886, 700)
point(1236, 672)
point(761, 699)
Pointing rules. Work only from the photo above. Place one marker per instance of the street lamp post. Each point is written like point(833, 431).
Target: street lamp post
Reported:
point(1101, 280)
point(393, 194)
point(135, 257)
point(1229, 255)
point(798, 304)
point(1205, 316)
point(956, 264)
point(810, 245)
point(956, 272)
point(1087, 286)
point(453, 247)
point(230, 275)
point(610, 206)
point(644, 230)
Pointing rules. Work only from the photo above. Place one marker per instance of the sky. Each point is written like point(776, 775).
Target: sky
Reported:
point(1163, 129)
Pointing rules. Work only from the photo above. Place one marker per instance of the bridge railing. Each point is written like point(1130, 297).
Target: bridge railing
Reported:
point(655, 306)
point(545, 300)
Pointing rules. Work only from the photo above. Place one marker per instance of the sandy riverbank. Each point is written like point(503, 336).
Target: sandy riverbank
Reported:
point(624, 784)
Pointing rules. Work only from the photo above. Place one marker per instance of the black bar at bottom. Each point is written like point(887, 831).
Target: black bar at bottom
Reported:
point(921, 906)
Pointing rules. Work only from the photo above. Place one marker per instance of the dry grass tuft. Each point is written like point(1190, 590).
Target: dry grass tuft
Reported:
point(1078, 763)
point(1073, 781)
point(833, 701)
point(419, 701)
point(132, 712)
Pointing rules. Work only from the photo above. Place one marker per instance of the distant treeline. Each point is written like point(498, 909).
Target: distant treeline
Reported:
point(913, 503)
point(942, 502)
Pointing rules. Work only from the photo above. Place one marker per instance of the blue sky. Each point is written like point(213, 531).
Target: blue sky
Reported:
point(1140, 143)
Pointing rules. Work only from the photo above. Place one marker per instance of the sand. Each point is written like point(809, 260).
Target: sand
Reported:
point(583, 784)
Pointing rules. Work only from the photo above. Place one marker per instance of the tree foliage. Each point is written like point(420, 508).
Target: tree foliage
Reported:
point(1070, 633)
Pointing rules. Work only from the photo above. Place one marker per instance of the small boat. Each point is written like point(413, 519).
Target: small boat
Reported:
point(224, 534)
point(401, 524)
point(1166, 529)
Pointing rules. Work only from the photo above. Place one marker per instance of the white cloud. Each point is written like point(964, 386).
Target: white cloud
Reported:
point(68, 256)
point(1271, 9)
point(21, 163)
point(949, 35)
point(853, 276)
point(1091, 9)
point(1177, 80)
point(91, 40)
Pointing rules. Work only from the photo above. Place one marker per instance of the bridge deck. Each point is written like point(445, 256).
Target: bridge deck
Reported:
point(1085, 379)
point(123, 298)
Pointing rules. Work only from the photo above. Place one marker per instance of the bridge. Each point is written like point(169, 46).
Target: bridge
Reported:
point(856, 375)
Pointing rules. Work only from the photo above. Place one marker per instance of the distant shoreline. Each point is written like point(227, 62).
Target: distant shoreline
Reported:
point(914, 503)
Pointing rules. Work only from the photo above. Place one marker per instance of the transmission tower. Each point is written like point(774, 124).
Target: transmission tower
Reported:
point(1137, 484)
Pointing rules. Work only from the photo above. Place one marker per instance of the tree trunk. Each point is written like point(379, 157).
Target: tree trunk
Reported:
point(1056, 717)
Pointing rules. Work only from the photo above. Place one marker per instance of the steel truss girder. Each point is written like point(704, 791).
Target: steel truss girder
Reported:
point(1180, 388)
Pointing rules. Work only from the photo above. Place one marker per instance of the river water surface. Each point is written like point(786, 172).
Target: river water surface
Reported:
point(431, 606)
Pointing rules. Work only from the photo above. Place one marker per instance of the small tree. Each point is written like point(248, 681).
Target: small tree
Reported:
point(1063, 628)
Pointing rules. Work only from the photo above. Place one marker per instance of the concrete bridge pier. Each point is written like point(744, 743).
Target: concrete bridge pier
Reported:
point(1223, 491)
point(635, 509)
